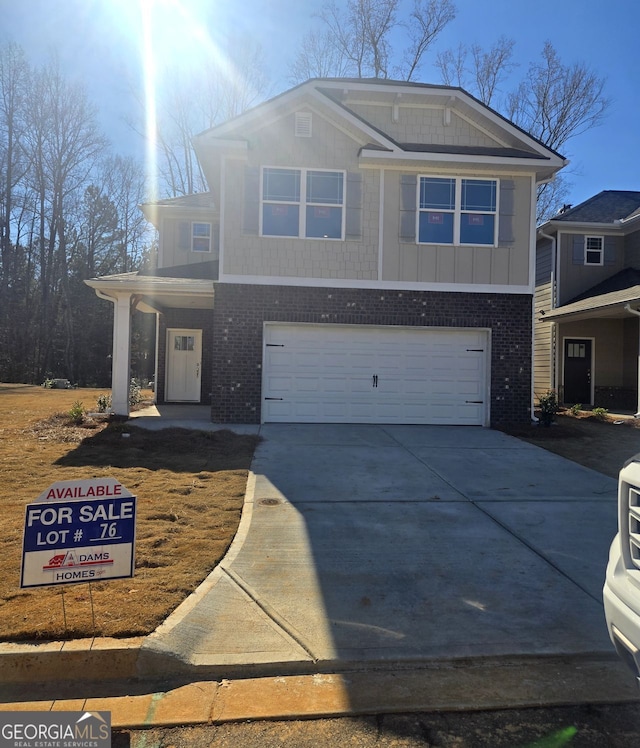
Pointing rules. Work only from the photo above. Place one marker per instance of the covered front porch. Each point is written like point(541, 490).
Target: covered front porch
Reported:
point(597, 351)
point(183, 309)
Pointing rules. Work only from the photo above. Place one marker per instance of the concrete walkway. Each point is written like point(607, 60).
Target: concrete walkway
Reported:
point(416, 566)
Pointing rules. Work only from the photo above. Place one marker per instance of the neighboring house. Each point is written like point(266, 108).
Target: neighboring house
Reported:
point(366, 254)
point(588, 303)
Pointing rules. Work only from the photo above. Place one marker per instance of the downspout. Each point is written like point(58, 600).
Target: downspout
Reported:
point(552, 239)
point(628, 308)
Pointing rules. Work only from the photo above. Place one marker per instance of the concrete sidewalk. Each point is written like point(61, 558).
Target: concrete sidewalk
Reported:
point(461, 565)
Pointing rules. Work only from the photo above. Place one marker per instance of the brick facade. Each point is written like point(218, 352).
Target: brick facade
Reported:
point(240, 311)
point(188, 319)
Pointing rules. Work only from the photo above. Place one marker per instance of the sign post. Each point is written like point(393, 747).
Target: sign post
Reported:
point(79, 531)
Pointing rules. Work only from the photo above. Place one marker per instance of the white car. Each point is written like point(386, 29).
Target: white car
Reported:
point(621, 593)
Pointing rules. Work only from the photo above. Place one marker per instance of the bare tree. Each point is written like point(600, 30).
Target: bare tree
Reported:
point(426, 21)
point(356, 39)
point(192, 101)
point(14, 78)
point(481, 72)
point(65, 145)
point(124, 183)
point(453, 66)
point(558, 102)
point(319, 57)
point(555, 102)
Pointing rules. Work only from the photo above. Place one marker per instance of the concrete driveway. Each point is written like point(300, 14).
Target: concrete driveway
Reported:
point(370, 546)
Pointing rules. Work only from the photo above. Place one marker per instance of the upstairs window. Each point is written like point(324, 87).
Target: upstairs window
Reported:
point(201, 237)
point(305, 203)
point(452, 210)
point(594, 250)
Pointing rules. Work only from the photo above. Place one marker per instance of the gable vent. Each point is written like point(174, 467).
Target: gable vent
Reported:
point(303, 124)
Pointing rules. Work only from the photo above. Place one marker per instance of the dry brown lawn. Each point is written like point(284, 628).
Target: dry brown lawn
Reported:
point(190, 489)
point(600, 443)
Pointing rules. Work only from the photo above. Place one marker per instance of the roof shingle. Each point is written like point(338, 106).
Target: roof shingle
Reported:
point(605, 207)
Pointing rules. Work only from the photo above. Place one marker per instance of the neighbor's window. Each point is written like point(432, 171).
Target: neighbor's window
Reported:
point(452, 210)
point(201, 237)
point(594, 250)
point(306, 203)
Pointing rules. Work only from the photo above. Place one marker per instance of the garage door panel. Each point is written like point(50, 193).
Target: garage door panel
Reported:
point(368, 374)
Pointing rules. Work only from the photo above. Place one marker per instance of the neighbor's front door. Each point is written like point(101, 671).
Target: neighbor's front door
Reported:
point(184, 362)
point(577, 371)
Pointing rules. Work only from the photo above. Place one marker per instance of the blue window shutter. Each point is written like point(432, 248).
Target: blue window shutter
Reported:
point(353, 217)
point(408, 206)
point(184, 235)
point(251, 214)
point(578, 250)
point(609, 250)
point(506, 234)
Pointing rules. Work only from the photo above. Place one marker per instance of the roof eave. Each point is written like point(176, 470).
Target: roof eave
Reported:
point(542, 166)
point(583, 225)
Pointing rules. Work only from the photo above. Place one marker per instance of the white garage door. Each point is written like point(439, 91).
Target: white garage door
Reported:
point(367, 374)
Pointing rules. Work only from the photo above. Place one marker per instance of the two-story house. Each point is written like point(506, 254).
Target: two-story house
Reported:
point(366, 254)
point(587, 303)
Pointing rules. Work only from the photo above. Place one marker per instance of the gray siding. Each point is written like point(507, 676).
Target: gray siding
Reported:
point(575, 277)
point(543, 331)
point(632, 250)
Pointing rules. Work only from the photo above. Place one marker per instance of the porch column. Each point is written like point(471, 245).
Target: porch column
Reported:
point(121, 361)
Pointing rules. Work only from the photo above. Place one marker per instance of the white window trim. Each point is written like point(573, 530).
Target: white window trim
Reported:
point(601, 250)
point(457, 211)
point(194, 237)
point(302, 205)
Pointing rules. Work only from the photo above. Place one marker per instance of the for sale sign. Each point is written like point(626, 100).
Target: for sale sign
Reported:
point(79, 531)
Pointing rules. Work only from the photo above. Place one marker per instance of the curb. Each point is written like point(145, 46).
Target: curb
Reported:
point(114, 659)
point(453, 686)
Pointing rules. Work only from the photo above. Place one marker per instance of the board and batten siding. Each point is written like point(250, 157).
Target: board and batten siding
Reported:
point(405, 260)
point(365, 254)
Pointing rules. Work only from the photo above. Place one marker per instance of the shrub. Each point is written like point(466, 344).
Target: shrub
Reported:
point(103, 403)
point(76, 414)
point(600, 413)
point(575, 409)
point(135, 392)
point(548, 405)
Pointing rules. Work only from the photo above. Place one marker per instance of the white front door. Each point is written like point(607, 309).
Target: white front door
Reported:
point(368, 374)
point(184, 364)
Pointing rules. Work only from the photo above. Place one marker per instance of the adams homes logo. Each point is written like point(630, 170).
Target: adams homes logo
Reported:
point(72, 559)
point(55, 729)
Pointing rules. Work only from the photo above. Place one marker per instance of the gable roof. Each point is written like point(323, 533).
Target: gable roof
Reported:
point(339, 98)
point(607, 206)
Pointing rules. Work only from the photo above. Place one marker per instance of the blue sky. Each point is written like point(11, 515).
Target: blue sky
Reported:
point(99, 42)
